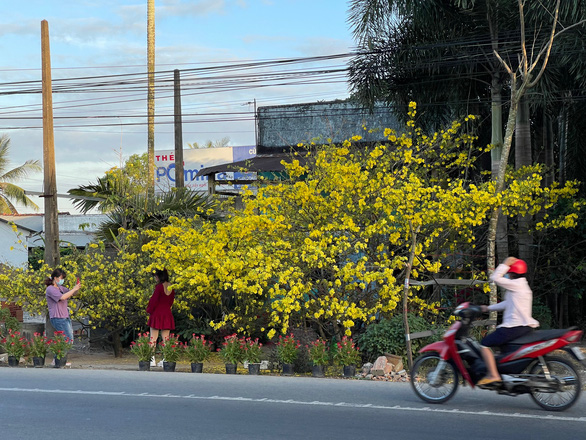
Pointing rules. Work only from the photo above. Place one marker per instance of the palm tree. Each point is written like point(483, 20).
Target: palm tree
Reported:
point(9, 192)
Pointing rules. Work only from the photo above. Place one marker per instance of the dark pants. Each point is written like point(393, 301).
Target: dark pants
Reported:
point(504, 335)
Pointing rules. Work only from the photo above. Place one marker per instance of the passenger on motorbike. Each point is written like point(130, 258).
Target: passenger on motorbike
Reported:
point(517, 320)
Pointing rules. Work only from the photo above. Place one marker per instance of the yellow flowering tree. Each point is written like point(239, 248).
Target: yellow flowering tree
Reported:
point(333, 245)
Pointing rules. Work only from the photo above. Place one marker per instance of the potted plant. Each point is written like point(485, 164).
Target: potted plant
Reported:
point(59, 345)
point(348, 355)
point(197, 350)
point(287, 351)
point(252, 352)
point(232, 351)
point(143, 350)
point(171, 350)
point(15, 346)
point(319, 355)
point(38, 348)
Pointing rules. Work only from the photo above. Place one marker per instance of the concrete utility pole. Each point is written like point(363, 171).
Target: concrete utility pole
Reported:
point(151, 95)
point(179, 177)
point(50, 181)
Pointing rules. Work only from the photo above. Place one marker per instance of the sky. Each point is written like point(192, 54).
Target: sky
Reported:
point(96, 45)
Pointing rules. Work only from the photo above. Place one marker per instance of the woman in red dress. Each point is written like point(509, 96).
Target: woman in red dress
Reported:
point(159, 309)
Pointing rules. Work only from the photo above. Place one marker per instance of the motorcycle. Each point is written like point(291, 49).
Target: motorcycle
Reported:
point(525, 364)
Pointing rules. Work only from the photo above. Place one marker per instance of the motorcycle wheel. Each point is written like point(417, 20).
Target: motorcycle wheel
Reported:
point(446, 385)
point(569, 385)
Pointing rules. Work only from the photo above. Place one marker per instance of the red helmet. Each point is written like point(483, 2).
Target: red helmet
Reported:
point(519, 267)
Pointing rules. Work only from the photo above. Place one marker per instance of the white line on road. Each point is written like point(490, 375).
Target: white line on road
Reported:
point(300, 402)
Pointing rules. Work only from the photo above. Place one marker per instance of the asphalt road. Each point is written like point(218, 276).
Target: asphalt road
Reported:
point(100, 404)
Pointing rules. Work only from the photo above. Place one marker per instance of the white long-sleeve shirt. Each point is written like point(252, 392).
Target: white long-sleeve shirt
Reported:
point(518, 301)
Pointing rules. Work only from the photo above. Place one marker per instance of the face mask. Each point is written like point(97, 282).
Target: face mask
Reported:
point(60, 282)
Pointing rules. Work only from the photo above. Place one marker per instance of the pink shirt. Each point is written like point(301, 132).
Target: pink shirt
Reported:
point(57, 308)
point(518, 302)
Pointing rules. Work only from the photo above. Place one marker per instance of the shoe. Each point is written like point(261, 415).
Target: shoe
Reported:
point(488, 381)
point(160, 364)
point(153, 362)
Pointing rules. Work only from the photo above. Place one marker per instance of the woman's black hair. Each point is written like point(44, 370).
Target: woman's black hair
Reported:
point(55, 274)
point(515, 276)
point(162, 275)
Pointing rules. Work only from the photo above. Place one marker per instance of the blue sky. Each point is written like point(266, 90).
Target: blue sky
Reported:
point(107, 37)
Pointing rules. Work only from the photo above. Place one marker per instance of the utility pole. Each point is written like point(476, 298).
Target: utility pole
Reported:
point(151, 96)
point(49, 181)
point(49, 178)
point(179, 176)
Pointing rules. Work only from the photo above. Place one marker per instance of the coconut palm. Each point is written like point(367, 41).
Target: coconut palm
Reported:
point(9, 192)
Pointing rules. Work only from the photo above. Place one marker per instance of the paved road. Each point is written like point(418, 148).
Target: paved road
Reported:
point(94, 404)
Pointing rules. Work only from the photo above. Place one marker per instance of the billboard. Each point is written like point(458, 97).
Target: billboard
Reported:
point(193, 161)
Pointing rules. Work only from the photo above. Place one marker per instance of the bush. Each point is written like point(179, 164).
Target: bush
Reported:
point(388, 336)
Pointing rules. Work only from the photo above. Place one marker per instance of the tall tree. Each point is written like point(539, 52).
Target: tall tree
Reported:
point(9, 192)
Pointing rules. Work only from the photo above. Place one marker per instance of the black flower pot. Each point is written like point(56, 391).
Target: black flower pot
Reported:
point(349, 370)
point(318, 371)
point(196, 367)
point(60, 363)
point(13, 361)
point(230, 368)
point(169, 366)
point(287, 369)
point(254, 369)
point(144, 365)
point(38, 362)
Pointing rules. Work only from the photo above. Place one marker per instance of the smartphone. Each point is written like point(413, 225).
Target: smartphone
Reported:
point(78, 281)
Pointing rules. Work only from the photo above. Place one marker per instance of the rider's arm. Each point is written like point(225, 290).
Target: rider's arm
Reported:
point(498, 277)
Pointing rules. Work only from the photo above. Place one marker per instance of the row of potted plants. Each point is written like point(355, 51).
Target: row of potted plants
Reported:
point(235, 350)
point(17, 346)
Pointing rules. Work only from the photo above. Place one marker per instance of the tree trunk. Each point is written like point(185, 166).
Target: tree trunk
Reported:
point(502, 239)
point(151, 96)
point(523, 157)
point(406, 295)
point(563, 140)
point(116, 343)
point(499, 186)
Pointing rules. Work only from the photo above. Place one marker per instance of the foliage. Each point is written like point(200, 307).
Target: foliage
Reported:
point(15, 344)
point(329, 247)
point(39, 345)
point(142, 347)
point(114, 187)
point(141, 212)
point(198, 349)
point(318, 352)
point(9, 192)
point(388, 336)
point(252, 350)
point(171, 349)
point(347, 353)
point(232, 350)
point(288, 349)
point(8, 322)
point(59, 345)
point(220, 143)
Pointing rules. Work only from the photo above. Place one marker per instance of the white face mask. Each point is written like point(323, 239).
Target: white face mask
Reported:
point(60, 282)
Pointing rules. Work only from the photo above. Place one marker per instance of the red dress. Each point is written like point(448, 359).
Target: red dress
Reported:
point(160, 309)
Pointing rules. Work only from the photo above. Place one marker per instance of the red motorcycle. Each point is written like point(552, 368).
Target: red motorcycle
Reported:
point(525, 365)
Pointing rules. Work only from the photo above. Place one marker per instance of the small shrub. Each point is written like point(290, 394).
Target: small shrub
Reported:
point(319, 352)
point(288, 349)
point(388, 336)
point(198, 349)
point(346, 352)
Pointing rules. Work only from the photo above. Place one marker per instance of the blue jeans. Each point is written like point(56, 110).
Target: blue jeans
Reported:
point(63, 325)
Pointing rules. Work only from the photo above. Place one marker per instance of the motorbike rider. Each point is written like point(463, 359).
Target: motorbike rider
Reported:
point(517, 320)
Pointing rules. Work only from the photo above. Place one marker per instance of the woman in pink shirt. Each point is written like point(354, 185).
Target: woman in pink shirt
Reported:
point(57, 296)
